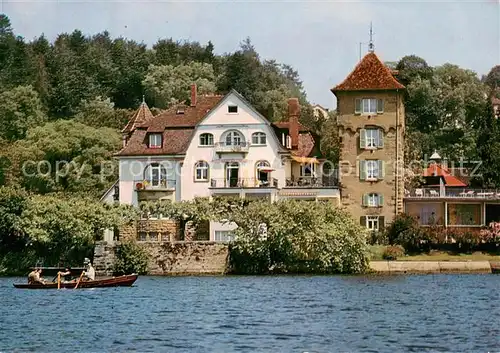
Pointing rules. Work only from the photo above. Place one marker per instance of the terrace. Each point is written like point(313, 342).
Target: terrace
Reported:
point(452, 193)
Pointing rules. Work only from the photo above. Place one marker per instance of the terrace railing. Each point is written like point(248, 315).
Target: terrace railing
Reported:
point(243, 183)
point(459, 193)
point(155, 184)
point(311, 182)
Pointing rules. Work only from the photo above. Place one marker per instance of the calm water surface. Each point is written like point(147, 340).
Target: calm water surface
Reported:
point(441, 313)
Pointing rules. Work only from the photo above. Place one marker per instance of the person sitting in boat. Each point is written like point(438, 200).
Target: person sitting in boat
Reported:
point(89, 273)
point(35, 277)
point(66, 275)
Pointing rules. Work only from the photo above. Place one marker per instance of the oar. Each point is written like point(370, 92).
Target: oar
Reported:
point(79, 279)
point(59, 280)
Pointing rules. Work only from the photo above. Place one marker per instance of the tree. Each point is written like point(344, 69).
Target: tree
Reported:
point(169, 84)
point(488, 148)
point(66, 156)
point(493, 77)
point(12, 204)
point(411, 67)
point(21, 110)
point(64, 229)
point(296, 236)
point(100, 112)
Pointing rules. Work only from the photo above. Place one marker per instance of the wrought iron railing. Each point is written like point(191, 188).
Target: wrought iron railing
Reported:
point(243, 183)
point(155, 184)
point(311, 182)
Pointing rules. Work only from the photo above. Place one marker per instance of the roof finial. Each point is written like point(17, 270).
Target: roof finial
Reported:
point(371, 46)
point(143, 99)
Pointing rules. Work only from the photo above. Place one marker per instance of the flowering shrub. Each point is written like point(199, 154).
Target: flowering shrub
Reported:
point(393, 252)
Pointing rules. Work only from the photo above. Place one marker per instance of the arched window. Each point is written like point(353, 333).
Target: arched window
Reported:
point(373, 200)
point(206, 139)
point(258, 138)
point(155, 174)
point(234, 138)
point(201, 169)
point(262, 170)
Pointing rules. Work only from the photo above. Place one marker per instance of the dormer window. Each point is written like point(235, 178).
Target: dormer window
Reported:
point(232, 109)
point(155, 140)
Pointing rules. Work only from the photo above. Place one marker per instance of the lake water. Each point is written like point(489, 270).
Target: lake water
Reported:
point(431, 313)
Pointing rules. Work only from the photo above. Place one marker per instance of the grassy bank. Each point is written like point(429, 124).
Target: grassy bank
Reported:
point(376, 252)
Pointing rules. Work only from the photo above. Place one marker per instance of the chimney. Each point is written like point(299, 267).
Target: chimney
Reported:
point(293, 121)
point(194, 95)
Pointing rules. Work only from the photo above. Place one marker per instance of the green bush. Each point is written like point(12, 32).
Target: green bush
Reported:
point(393, 252)
point(296, 237)
point(130, 258)
point(406, 231)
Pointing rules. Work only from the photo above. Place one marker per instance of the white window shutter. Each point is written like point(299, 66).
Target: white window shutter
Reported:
point(380, 105)
point(380, 138)
point(362, 138)
point(381, 171)
point(362, 170)
point(357, 108)
point(380, 200)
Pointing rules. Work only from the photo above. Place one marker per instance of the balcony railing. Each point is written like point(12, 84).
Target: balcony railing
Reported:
point(154, 184)
point(222, 147)
point(436, 192)
point(311, 182)
point(243, 183)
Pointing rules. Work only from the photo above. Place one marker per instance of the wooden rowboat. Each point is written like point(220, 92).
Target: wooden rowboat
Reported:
point(121, 281)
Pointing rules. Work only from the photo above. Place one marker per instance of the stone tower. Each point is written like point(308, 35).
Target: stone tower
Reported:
point(371, 120)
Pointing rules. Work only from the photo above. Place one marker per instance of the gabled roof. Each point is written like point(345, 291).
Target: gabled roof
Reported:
point(369, 74)
point(449, 179)
point(141, 116)
point(177, 129)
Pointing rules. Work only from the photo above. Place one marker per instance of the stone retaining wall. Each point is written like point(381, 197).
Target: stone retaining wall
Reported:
point(397, 267)
point(169, 258)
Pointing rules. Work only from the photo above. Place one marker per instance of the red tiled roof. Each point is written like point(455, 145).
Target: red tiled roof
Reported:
point(141, 116)
point(449, 179)
point(369, 74)
point(177, 129)
point(306, 145)
point(190, 117)
point(495, 101)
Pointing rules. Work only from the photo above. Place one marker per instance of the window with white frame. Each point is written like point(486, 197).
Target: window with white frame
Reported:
point(258, 138)
point(369, 106)
point(372, 170)
point(372, 223)
point(234, 138)
point(201, 171)
point(223, 235)
point(372, 200)
point(156, 175)
point(206, 139)
point(155, 140)
point(374, 138)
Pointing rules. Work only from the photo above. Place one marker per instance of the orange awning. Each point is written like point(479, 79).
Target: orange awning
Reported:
point(305, 160)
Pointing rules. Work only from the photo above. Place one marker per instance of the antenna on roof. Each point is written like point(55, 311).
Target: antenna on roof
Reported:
point(371, 46)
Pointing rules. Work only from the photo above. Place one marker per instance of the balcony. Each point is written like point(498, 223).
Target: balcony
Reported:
point(222, 147)
point(242, 183)
point(452, 193)
point(311, 182)
point(155, 185)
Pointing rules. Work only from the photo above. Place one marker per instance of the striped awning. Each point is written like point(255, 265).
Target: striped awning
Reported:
point(298, 193)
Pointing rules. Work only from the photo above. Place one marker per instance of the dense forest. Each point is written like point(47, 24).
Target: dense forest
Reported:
point(63, 103)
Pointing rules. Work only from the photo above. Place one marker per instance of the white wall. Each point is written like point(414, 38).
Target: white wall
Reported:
point(246, 121)
point(132, 171)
